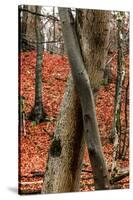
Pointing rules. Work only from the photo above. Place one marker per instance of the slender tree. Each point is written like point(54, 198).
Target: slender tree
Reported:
point(116, 131)
point(126, 133)
point(67, 148)
point(38, 114)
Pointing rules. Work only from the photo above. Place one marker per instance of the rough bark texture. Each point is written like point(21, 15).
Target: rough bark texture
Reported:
point(83, 88)
point(126, 134)
point(93, 30)
point(118, 94)
point(64, 161)
point(59, 177)
point(37, 113)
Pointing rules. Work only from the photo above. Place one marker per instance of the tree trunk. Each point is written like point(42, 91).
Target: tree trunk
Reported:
point(116, 130)
point(93, 29)
point(64, 161)
point(37, 113)
point(83, 87)
point(125, 144)
point(63, 172)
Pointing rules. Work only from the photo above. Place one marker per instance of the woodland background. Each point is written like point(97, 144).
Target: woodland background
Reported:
point(55, 65)
point(8, 187)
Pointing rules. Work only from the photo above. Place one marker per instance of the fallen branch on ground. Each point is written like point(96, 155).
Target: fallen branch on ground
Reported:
point(27, 192)
point(119, 177)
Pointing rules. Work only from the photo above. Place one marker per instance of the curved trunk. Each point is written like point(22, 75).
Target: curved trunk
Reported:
point(63, 172)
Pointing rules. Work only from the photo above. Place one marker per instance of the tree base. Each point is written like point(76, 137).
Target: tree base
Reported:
point(37, 114)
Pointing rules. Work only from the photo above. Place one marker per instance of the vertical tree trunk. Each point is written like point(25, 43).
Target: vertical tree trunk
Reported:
point(38, 113)
point(93, 28)
point(63, 172)
point(125, 142)
point(118, 93)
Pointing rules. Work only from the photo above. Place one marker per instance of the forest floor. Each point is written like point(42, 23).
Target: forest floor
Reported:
point(33, 147)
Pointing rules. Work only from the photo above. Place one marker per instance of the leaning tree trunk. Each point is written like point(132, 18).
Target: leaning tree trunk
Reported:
point(83, 88)
point(63, 171)
point(64, 161)
point(37, 113)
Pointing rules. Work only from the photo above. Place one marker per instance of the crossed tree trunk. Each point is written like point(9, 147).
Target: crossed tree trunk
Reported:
point(67, 148)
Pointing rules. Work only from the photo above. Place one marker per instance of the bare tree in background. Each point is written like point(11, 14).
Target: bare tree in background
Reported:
point(38, 114)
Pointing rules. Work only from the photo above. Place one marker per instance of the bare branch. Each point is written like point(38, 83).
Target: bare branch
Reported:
point(119, 177)
point(39, 14)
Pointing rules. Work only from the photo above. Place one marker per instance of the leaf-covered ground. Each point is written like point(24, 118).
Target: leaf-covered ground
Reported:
point(33, 147)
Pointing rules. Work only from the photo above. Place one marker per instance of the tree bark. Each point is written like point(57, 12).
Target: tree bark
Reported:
point(66, 151)
point(126, 133)
point(63, 172)
point(82, 84)
point(37, 113)
point(93, 28)
point(116, 130)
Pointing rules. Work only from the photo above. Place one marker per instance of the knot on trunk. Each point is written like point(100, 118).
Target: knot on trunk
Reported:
point(55, 149)
point(87, 117)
